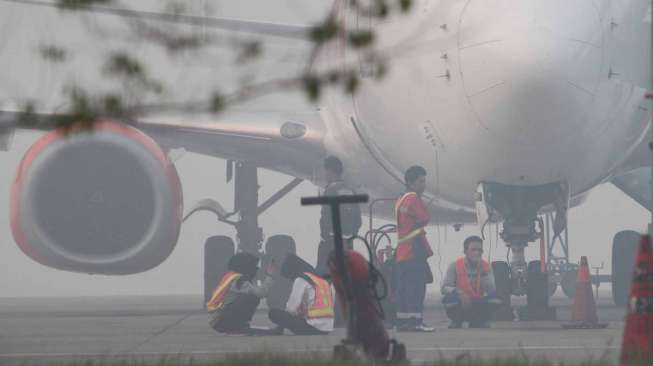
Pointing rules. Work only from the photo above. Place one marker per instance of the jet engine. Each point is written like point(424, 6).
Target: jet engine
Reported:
point(105, 201)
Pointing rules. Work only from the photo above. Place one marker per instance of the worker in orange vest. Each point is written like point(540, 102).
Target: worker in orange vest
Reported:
point(413, 249)
point(309, 310)
point(236, 297)
point(468, 287)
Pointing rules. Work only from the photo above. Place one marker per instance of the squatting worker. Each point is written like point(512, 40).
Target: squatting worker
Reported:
point(412, 269)
point(468, 287)
point(309, 310)
point(350, 215)
point(236, 296)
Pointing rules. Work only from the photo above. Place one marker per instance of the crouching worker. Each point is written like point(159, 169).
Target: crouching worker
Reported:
point(469, 288)
point(236, 296)
point(309, 310)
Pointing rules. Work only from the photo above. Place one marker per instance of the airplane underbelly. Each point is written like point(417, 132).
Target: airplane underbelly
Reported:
point(522, 98)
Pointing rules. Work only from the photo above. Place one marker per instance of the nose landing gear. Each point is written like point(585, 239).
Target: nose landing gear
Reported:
point(517, 207)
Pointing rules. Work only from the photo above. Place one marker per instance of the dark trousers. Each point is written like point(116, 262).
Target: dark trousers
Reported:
point(235, 317)
point(324, 250)
point(411, 290)
point(478, 313)
point(293, 323)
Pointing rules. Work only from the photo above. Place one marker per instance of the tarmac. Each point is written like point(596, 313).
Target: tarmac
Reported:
point(58, 330)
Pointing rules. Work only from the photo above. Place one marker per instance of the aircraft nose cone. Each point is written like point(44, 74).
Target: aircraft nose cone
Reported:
point(531, 69)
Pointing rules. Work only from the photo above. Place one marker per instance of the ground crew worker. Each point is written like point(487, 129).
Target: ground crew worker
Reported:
point(236, 296)
point(350, 215)
point(468, 287)
point(412, 269)
point(309, 310)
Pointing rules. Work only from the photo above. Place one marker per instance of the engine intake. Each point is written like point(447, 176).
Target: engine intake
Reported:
point(105, 201)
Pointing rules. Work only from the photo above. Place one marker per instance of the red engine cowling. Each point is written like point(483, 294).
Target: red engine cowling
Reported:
point(106, 201)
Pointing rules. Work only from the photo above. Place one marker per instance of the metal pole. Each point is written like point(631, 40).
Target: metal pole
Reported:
point(334, 202)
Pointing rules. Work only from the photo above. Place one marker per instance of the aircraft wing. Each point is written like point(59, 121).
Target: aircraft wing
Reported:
point(285, 141)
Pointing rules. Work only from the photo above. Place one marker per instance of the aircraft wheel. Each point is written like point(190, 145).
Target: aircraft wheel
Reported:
point(217, 252)
point(568, 283)
point(278, 247)
point(537, 285)
point(624, 250)
point(553, 286)
point(503, 283)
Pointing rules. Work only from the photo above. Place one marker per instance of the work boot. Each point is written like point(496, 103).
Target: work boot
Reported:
point(420, 328)
point(276, 331)
point(456, 325)
point(424, 328)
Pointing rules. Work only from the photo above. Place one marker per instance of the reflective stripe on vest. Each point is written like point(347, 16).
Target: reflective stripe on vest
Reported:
point(323, 303)
point(404, 250)
point(401, 200)
point(473, 290)
point(412, 235)
point(216, 301)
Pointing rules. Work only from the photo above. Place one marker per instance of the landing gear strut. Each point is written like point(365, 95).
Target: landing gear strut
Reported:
point(561, 271)
point(249, 235)
point(517, 207)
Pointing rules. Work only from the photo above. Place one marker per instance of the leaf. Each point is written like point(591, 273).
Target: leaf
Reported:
point(360, 39)
point(351, 85)
point(113, 104)
point(217, 102)
point(325, 32)
point(122, 64)
point(75, 4)
point(312, 86)
point(405, 5)
point(52, 53)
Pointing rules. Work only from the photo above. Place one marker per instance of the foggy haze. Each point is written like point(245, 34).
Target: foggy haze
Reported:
point(591, 225)
point(591, 228)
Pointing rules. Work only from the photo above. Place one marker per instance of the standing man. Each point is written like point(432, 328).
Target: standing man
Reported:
point(412, 269)
point(350, 215)
point(469, 288)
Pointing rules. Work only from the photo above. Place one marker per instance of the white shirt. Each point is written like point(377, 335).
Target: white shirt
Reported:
point(301, 299)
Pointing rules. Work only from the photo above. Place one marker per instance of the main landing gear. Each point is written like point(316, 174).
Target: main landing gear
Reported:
point(249, 235)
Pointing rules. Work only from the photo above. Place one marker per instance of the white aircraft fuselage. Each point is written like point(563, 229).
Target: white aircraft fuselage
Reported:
point(519, 93)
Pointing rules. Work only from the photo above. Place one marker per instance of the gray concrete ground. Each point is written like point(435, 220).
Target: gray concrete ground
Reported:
point(47, 330)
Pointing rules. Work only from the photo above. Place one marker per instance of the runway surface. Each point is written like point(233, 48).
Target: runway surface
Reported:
point(47, 330)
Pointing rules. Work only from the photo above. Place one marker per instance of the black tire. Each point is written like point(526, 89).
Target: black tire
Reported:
point(217, 252)
point(537, 286)
point(502, 281)
point(568, 283)
point(278, 247)
point(624, 250)
point(553, 287)
point(503, 284)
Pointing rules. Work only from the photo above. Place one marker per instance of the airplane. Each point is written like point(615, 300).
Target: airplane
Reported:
point(517, 110)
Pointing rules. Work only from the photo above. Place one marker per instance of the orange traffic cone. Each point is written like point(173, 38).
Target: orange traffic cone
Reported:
point(584, 315)
point(637, 346)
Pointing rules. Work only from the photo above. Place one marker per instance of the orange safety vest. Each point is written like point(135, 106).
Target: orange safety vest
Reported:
point(407, 232)
point(323, 305)
point(216, 301)
point(473, 290)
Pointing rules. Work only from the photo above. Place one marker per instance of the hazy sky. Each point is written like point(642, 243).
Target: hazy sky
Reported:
point(592, 225)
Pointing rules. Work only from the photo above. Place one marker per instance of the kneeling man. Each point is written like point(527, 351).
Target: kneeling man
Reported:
point(469, 288)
